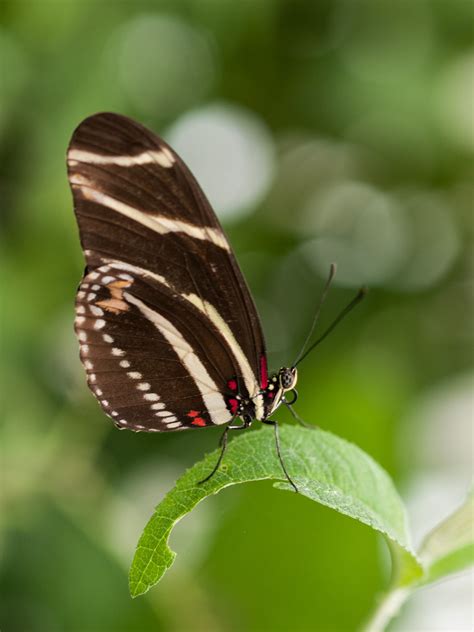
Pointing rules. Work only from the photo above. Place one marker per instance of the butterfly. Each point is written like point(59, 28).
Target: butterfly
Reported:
point(169, 333)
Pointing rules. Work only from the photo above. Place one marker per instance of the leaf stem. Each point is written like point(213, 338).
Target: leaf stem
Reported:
point(387, 609)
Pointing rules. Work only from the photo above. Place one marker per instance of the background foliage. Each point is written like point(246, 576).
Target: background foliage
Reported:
point(327, 130)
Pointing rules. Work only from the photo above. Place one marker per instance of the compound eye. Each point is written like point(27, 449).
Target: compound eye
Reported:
point(286, 379)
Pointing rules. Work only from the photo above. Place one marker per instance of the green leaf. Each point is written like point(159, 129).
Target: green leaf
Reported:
point(325, 468)
point(449, 548)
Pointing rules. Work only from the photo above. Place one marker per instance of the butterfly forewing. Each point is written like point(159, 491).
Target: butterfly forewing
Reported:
point(168, 330)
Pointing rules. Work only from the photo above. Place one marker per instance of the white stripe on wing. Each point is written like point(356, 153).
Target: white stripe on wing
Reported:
point(213, 400)
point(159, 223)
point(162, 156)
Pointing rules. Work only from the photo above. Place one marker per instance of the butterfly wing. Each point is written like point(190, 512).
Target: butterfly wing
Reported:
point(170, 337)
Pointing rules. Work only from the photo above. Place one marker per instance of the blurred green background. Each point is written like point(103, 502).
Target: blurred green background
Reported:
point(336, 130)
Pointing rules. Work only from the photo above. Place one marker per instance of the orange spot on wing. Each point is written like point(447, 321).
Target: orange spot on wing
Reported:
point(113, 305)
point(193, 413)
point(119, 284)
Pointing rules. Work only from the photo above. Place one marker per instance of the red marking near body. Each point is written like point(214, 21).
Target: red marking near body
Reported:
point(232, 384)
point(234, 404)
point(271, 394)
point(263, 372)
point(198, 421)
point(193, 413)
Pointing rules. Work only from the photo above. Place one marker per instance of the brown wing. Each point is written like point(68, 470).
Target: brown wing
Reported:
point(185, 323)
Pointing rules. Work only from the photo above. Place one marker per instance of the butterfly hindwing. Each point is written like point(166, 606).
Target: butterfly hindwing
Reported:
point(168, 330)
point(145, 363)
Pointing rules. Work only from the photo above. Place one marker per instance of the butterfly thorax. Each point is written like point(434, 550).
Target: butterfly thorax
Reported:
point(266, 401)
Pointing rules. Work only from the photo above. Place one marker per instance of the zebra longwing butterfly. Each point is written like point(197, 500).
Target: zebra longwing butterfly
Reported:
point(169, 334)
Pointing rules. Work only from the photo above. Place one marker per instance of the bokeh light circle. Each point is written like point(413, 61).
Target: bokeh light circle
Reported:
point(433, 240)
point(231, 153)
point(358, 227)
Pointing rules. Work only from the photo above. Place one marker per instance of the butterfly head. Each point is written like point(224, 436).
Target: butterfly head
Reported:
point(287, 378)
point(279, 384)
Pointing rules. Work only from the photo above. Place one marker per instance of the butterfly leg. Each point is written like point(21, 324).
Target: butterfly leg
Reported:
point(301, 421)
point(223, 444)
point(270, 422)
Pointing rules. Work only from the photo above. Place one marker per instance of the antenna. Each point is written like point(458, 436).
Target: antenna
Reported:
point(332, 273)
point(349, 307)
